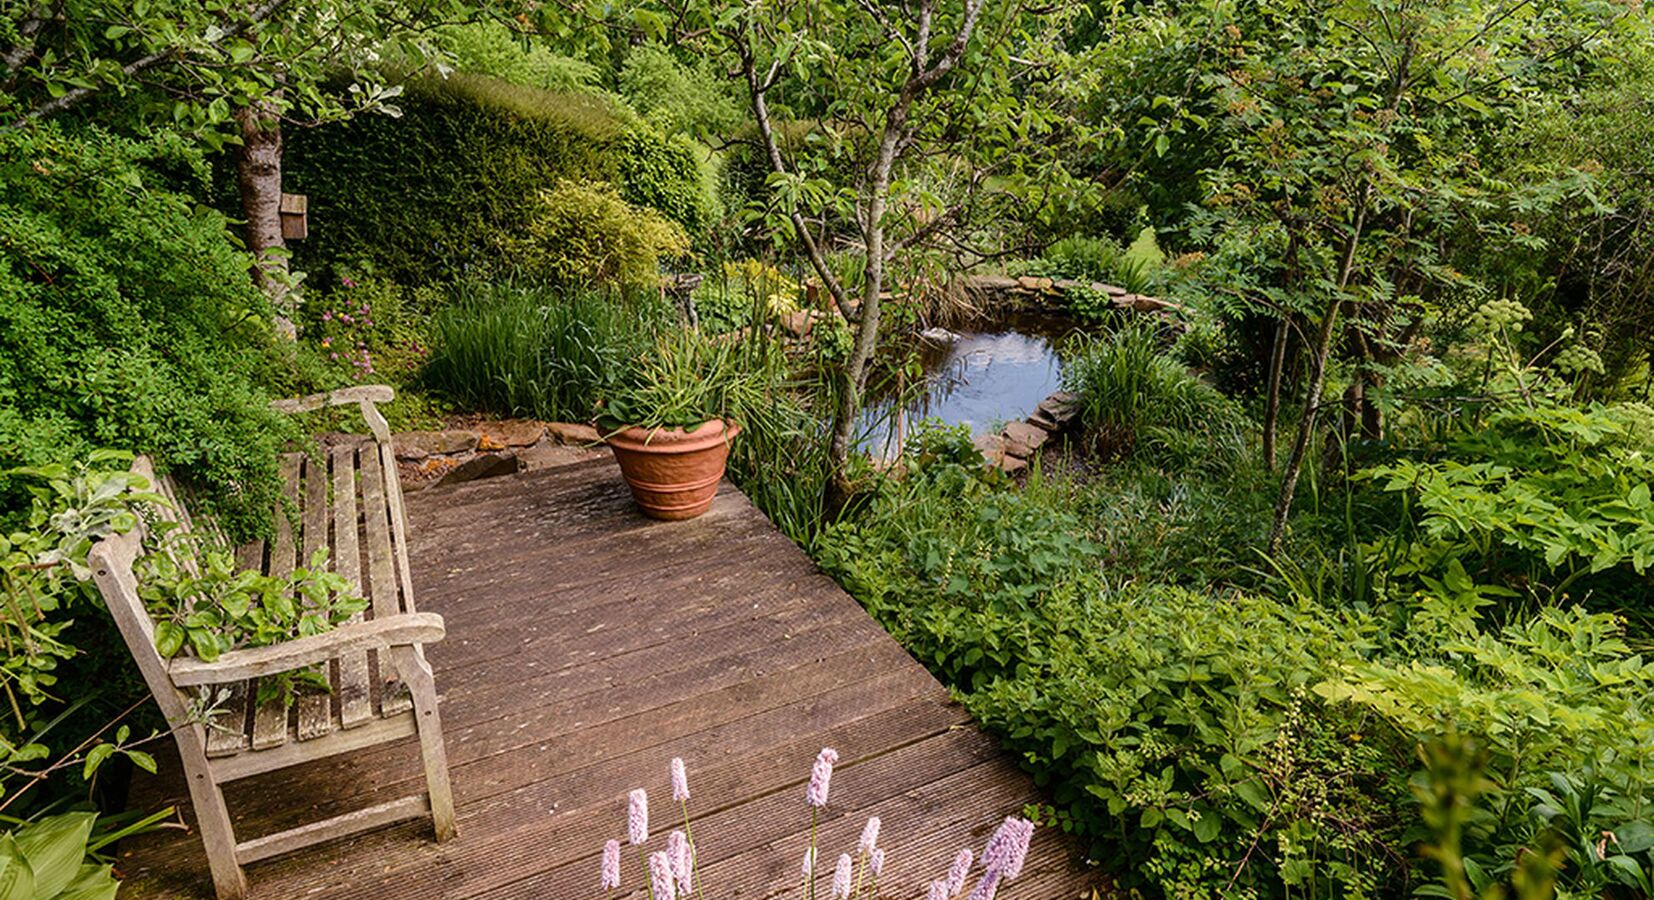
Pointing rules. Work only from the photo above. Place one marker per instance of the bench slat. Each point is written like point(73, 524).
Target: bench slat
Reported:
point(355, 693)
point(270, 719)
point(231, 733)
point(315, 711)
point(393, 695)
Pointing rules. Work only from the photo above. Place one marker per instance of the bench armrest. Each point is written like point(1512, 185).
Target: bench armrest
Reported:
point(379, 634)
point(364, 395)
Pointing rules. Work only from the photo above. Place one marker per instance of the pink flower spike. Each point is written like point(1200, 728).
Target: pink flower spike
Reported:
point(993, 855)
point(611, 865)
point(680, 782)
point(660, 877)
point(938, 890)
point(841, 877)
point(959, 871)
point(869, 837)
point(677, 850)
point(809, 867)
point(987, 887)
point(1016, 851)
point(821, 775)
point(637, 817)
point(876, 862)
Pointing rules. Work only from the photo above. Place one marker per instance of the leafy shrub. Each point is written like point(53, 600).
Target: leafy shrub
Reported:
point(1134, 396)
point(1080, 257)
point(679, 98)
point(535, 351)
point(435, 194)
point(748, 289)
point(1538, 499)
point(492, 48)
point(127, 318)
point(586, 234)
point(1176, 728)
point(1557, 708)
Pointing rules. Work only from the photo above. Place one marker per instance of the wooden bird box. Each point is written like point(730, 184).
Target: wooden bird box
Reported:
point(295, 217)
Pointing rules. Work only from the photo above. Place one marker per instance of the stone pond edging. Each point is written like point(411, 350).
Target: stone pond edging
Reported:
point(1013, 446)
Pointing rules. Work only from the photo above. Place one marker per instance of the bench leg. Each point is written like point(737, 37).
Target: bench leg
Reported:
point(416, 672)
point(212, 816)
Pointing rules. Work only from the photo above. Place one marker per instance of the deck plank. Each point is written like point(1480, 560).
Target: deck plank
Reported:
point(586, 647)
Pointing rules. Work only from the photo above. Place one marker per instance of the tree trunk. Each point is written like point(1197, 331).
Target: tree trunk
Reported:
point(1272, 404)
point(258, 173)
point(867, 318)
point(1317, 379)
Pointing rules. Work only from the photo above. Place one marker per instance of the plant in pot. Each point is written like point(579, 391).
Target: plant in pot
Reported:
point(670, 418)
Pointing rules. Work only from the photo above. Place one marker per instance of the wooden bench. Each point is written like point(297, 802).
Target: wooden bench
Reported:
point(349, 500)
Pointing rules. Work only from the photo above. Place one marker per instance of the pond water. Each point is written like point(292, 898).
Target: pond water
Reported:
point(993, 371)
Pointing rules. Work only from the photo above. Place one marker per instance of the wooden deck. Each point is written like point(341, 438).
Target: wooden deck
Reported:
point(586, 647)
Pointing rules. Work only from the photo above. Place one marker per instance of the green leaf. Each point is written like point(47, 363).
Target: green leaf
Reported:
point(55, 847)
point(1162, 143)
point(92, 882)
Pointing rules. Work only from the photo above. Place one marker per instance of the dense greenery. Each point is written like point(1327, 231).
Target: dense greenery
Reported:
point(442, 192)
point(1338, 588)
point(127, 318)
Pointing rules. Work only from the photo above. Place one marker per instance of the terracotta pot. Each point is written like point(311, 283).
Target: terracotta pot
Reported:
point(673, 473)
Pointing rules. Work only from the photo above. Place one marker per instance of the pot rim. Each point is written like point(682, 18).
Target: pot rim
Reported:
point(710, 433)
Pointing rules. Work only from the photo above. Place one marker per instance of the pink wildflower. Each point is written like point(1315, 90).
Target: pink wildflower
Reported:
point(637, 817)
point(938, 890)
point(809, 867)
point(1017, 851)
point(959, 871)
point(680, 781)
point(821, 774)
point(841, 877)
point(1008, 848)
point(327, 315)
point(677, 849)
point(660, 877)
point(876, 862)
point(869, 837)
point(611, 865)
point(348, 282)
point(987, 887)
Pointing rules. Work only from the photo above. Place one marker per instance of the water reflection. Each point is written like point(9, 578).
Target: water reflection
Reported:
point(993, 372)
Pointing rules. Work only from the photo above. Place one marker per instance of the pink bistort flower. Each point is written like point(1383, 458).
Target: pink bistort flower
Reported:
point(611, 865)
point(875, 863)
point(821, 775)
point(660, 877)
point(677, 850)
point(637, 817)
point(841, 877)
point(680, 782)
point(869, 837)
point(959, 871)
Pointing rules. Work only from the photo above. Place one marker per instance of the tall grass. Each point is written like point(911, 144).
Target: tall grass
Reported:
point(533, 351)
point(1135, 396)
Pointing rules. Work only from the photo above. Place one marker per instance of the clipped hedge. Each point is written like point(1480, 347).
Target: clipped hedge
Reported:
point(433, 194)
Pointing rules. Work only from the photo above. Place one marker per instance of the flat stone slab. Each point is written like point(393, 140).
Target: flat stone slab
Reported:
point(1022, 439)
point(484, 465)
point(420, 444)
point(572, 433)
point(510, 433)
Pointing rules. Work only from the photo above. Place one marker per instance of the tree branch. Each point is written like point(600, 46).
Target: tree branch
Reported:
point(142, 64)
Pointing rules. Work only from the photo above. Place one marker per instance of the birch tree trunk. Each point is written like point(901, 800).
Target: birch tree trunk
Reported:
point(258, 174)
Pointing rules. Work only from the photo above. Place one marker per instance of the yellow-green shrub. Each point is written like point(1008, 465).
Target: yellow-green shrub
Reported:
point(584, 232)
